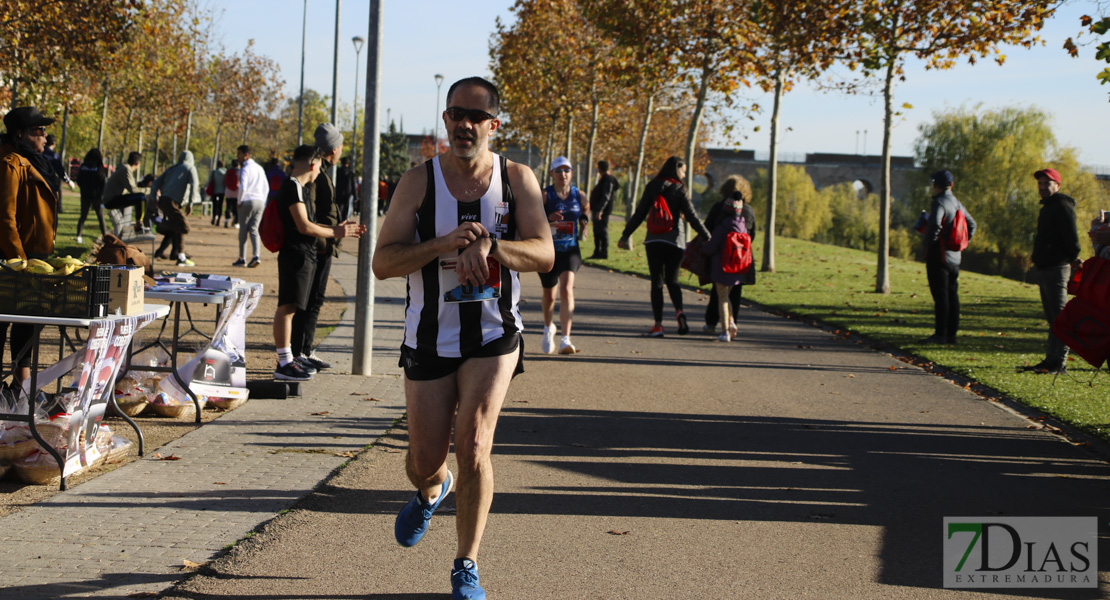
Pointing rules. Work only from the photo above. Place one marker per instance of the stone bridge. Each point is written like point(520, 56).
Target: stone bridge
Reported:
point(824, 169)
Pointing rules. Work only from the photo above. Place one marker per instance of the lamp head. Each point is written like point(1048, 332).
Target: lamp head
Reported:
point(358, 41)
point(439, 79)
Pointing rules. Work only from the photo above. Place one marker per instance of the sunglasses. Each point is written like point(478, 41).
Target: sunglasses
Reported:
point(563, 171)
point(37, 131)
point(475, 116)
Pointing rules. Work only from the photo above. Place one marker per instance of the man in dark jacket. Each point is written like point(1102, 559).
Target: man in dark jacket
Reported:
point(601, 206)
point(1055, 252)
point(345, 187)
point(942, 263)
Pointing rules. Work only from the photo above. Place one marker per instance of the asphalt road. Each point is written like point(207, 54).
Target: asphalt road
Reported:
point(789, 463)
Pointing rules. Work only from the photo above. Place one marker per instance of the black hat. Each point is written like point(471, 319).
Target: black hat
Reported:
point(942, 178)
point(25, 117)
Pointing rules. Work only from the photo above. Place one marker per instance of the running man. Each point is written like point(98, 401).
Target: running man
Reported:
point(460, 228)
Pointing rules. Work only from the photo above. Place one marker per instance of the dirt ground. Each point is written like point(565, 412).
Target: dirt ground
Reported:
point(213, 249)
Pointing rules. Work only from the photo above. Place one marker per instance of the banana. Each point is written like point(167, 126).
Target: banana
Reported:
point(31, 262)
point(42, 269)
point(16, 264)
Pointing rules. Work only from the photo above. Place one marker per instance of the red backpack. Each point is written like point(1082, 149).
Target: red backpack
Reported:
point(660, 219)
point(271, 230)
point(736, 253)
point(957, 233)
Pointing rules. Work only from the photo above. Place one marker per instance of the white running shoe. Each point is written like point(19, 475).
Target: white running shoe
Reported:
point(724, 337)
point(565, 347)
point(548, 344)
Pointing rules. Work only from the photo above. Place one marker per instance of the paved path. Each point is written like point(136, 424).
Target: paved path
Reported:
point(789, 464)
point(131, 530)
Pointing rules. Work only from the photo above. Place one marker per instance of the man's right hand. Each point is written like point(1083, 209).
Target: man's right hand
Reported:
point(623, 244)
point(463, 236)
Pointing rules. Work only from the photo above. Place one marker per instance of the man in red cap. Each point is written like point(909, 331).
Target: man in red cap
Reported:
point(1055, 252)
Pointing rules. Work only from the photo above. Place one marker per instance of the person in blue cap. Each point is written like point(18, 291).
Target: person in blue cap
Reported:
point(942, 258)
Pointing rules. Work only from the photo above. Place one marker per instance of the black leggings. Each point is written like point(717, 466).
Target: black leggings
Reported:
point(663, 263)
point(86, 204)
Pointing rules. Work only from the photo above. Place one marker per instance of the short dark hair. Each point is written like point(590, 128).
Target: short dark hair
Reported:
point(307, 153)
point(603, 165)
point(245, 149)
point(494, 95)
point(346, 160)
point(235, 163)
point(51, 140)
point(134, 158)
point(219, 164)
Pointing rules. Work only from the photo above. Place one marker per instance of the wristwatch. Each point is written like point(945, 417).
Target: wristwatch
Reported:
point(492, 245)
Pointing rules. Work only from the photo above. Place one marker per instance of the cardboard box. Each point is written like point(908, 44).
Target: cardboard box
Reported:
point(125, 290)
point(216, 282)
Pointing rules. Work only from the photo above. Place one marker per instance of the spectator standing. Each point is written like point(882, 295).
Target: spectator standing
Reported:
point(297, 257)
point(321, 194)
point(59, 169)
point(345, 187)
point(123, 192)
point(216, 179)
point(735, 183)
point(942, 263)
point(91, 178)
point(567, 216)
point(231, 194)
point(27, 205)
point(176, 187)
point(665, 246)
point(1055, 252)
point(383, 197)
point(253, 190)
point(462, 343)
point(602, 199)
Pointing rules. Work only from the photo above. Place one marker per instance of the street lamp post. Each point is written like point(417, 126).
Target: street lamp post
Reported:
point(358, 41)
point(435, 138)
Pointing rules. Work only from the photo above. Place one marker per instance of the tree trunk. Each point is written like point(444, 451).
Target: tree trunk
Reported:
point(65, 131)
point(548, 151)
point(570, 143)
point(772, 177)
point(216, 147)
point(157, 140)
point(103, 118)
point(139, 148)
point(590, 145)
point(127, 126)
point(695, 122)
point(634, 191)
point(882, 277)
point(188, 128)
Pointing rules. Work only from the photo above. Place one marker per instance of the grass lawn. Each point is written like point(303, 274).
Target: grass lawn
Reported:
point(1002, 325)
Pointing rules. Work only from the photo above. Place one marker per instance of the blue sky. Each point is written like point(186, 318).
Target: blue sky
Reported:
point(425, 37)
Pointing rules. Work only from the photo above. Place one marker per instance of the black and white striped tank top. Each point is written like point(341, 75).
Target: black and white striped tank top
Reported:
point(442, 317)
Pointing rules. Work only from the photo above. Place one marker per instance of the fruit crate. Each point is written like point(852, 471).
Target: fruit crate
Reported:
point(81, 294)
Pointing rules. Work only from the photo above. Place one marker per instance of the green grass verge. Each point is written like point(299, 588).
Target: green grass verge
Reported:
point(1002, 324)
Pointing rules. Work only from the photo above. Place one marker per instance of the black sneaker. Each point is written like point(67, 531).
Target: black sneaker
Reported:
point(306, 366)
point(683, 327)
point(291, 372)
point(932, 339)
point(239, 263)
point(317, 362)
point(1051, 370)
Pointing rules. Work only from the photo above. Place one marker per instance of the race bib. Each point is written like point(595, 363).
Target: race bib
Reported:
point(449, 280)
point(562, 233)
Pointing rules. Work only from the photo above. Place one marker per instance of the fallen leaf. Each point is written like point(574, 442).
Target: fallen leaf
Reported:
point(637, 351)
point(851, 375)
point(220, 483)
point(522, 401)
point(373, 399)
point(893, 368)
point(347, 454)
point(360, 394)
point(319, 414)
point(615, 532)
point(188, 564)
point(170, 457)
point(389, 450)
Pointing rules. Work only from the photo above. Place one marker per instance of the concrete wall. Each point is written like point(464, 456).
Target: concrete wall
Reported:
point(824, 169)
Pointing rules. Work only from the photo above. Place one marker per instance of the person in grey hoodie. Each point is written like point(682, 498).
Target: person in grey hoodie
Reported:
point(942, 264)
point(177, 186)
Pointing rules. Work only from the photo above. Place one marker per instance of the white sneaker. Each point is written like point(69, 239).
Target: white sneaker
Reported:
point(724, 337)
point(548, 343)
point(79, 240)
point(565, 347)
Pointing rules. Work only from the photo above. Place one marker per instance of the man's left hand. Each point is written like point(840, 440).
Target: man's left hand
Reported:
point(472, 266)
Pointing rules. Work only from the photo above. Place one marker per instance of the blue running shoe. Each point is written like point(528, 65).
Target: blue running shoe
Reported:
point(464, 581)
point(412, 521)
